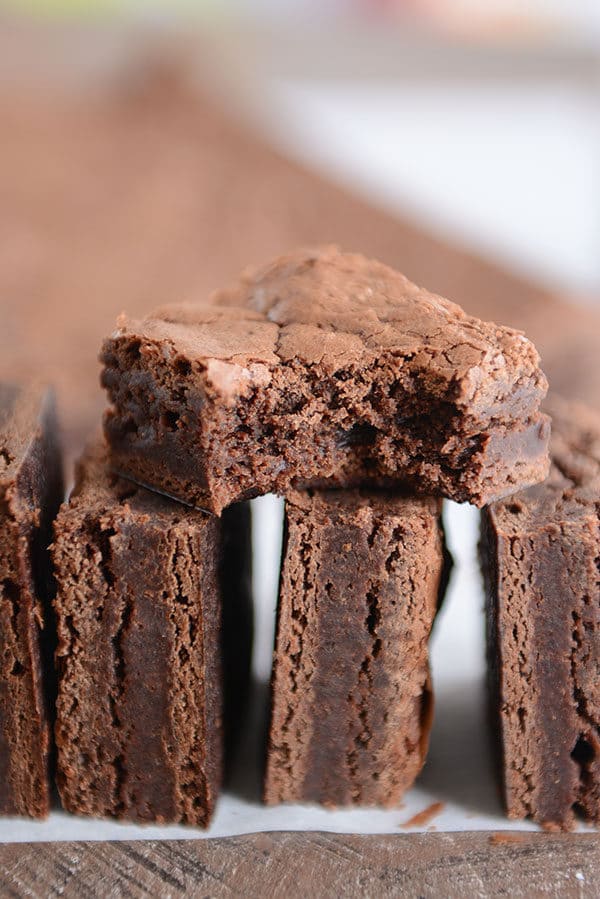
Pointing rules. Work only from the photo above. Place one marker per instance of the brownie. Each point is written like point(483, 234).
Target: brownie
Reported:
point(140, 701)
point(323, 369)
point(31, 490)
point(541, 563)
point(351, 702)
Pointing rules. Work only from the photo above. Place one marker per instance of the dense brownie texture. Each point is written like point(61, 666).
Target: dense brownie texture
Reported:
point(139, 711)
point(361, 581)
point(323, 368)
point(31, 490)
point(541, 562)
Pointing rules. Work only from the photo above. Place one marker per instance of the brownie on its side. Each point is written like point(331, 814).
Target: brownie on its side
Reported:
point(362, 577)
point(31, 490)
point(540, 554)
point(323, 369)
point(139, 711)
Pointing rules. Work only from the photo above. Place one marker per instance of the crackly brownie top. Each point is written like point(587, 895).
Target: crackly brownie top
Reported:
point(572, 489)
point(333, 309)
point(22, 409)
point(98, 491)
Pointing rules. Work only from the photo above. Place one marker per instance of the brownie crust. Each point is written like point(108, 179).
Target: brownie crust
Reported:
point(361, 582)
point(323, 367)
point(541, 564)
point(31, 489)
point(140, 700)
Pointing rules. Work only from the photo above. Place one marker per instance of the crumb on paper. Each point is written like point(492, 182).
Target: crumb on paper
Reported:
point(506, 837)
point(424, 817)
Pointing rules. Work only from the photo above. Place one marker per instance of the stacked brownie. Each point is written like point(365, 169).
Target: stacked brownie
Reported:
point(30, 493)
point(141, 648)
point(541, 561)
point(323, 368)
point(363, 399)
point(363, 575)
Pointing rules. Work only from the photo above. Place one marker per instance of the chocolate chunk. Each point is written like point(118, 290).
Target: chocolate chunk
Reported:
point(31, 490)
point(540, 554)
point(323, 368)
point(139, 711)
point(363, 574)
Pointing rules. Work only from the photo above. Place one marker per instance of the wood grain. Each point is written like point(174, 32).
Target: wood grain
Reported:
point(312, 864)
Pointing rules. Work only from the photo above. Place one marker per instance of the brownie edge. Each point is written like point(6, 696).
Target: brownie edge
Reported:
point(140, 702)
point(31, 489)
point(540, 554)
point(351, 694)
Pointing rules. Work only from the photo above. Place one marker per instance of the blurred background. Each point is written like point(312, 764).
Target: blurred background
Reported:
point(480, 117)
point(477, 117)
point(150, 150)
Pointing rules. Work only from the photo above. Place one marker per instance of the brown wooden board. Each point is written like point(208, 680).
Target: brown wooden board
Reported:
point(310, 864)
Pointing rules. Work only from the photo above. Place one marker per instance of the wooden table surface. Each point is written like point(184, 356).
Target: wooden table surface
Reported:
point(138, 194)
point(310, 864)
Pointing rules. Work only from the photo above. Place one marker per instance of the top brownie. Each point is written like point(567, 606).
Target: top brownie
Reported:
point(323, 368)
